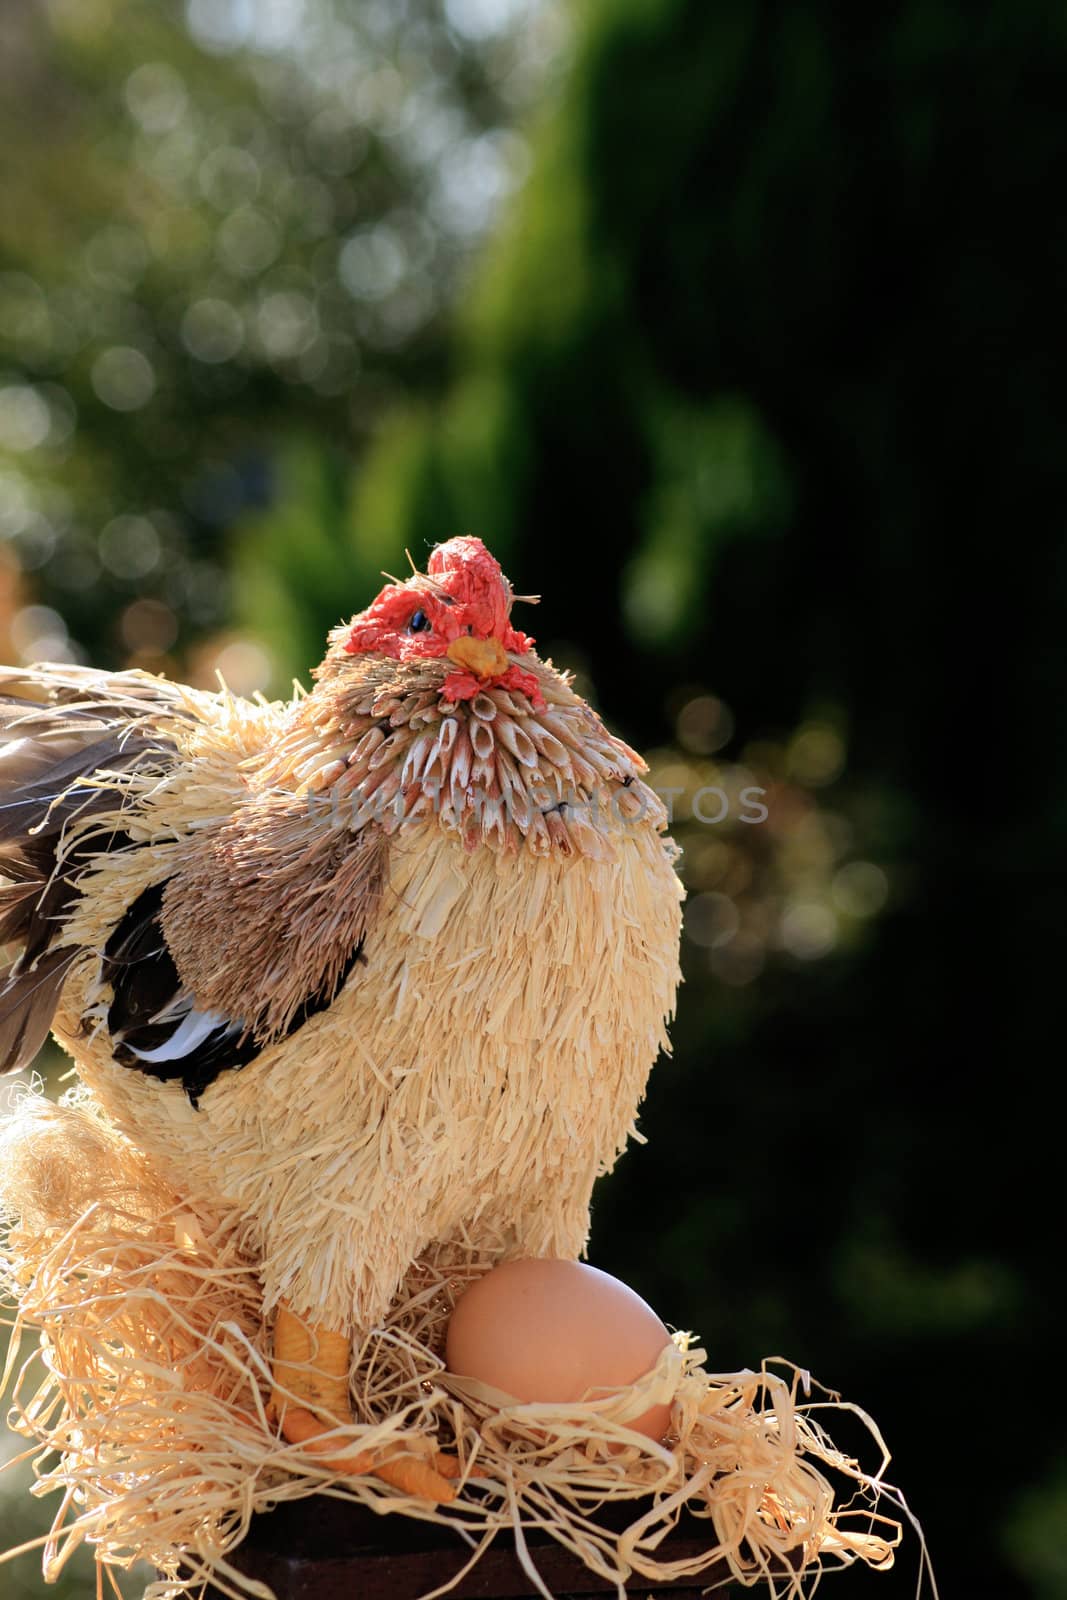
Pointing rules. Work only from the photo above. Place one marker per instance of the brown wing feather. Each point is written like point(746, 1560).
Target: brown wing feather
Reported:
point(268, 910)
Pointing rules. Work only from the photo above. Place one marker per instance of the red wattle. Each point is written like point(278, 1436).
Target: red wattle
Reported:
point(460, 686)
point(524, 682)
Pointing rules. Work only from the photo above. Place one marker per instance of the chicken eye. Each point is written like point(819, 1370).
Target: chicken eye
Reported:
point(420, 622)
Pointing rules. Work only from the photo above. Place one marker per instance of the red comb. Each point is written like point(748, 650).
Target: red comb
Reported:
point(474, 579)
point(465, 591)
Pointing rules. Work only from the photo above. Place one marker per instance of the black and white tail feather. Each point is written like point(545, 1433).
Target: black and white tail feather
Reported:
point(153, 1021)
point(58, 728)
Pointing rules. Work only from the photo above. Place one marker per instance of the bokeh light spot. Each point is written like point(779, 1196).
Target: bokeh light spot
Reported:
point(472, 177)
point(816, 755)
point(116, 257)
point(123, 378)
point(245, 666)
point(155, 96)
point(808, 929)
point(25, 420)
point(212, 331)
point(860, 889)
point(287, 324)
point(170, 159)
point(371, 263)
point(382, 100)
point(248, 241)
point(484, 19)
point(16, 503)
point(148, 626)
point(704, 725)
point(35, 543)
point(229, 177)
point(63, 413)
point(220, 26)
point(39, 634)
point(653, 598)
point(129, 547)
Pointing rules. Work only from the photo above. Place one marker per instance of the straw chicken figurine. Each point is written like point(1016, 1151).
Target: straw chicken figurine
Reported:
point(386, 964)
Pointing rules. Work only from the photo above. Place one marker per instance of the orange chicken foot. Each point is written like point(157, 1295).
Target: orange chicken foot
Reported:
point(311, 1362)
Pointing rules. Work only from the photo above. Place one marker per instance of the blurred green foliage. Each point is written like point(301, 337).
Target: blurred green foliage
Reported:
point(756, 382)
point(229, 227)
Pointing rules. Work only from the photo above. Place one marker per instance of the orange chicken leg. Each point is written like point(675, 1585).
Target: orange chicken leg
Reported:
point(311, 1362)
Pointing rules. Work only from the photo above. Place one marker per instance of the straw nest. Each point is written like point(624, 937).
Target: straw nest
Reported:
point(140, 1355)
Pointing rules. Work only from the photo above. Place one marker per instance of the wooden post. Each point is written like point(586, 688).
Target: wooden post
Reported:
point(323, 1549)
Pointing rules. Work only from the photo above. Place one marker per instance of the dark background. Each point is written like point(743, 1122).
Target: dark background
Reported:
point(736, 331)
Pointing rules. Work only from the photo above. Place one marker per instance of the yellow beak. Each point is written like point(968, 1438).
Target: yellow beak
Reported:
point(485, 658)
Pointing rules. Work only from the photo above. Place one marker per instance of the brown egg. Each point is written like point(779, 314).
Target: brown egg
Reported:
point(556, 1331)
